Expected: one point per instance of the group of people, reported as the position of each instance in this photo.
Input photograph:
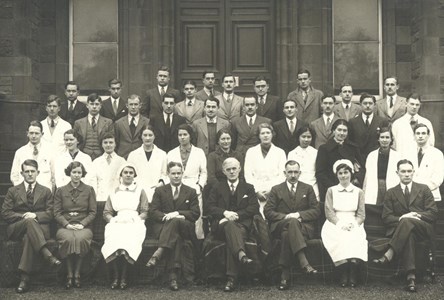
(230, 158)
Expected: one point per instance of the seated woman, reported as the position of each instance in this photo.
(264, 164)
(74, 211)
(194, 165)
(338, 147)
(381, 169)
(343, 232)
(305, 155)
(125, 212)
(150, 161)
(71, 153)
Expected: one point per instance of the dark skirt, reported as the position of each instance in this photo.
(382, 188)
(74, 241)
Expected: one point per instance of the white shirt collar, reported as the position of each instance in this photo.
(90, 118)
(248, 118)
(214, 120)
(165, 116)
(344, 104)
(136, 118)
(409, 186)
(233, 183)
(370, 117)
(32, 185)
(165, 88)
(348, 189)
(324, 116)
(289, 185)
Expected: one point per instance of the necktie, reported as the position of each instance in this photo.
(420, 156)
(211, 93)
(115, 106)
(328, 122)
(391, 101)
(108, 159)
(413, 123)
(233, 190)
(52, 124)
(35, 153)
(133, 126)
(29, 195)
(293, 191)
(162, 91)
(291, 126)
(407, 196)
(176, 193)
(190, 103)
(168, 121)
(367, 122)
(346, 107)
(250, 123)
(93, 122)
(228, 98)
(261, 100)
(71, 106)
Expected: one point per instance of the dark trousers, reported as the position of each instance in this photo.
(234, 234)
(292, 237)
(34, 236)
(407, 233)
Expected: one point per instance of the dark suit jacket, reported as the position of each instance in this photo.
(283, 137)
(280, 204)
(421, 201)
(125, 141)
(104, 125)
(201, 95)
(245, 137)
(201, 130)
(366, 137)
(311, 110)
(247, 204)
(80, 111)
(187, 205)
(152, 104)
(399, 109)
(108, 112)
(272, 108)
(16, 204)
(166, 138)
(328, 154)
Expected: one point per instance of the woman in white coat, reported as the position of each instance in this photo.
(381, 169)
(71, 153)
(150, 161)
(194, 164)
(264, 164)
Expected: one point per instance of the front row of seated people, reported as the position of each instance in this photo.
(153, 175)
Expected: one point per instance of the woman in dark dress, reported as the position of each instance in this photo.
(338, 147)
(74, 210)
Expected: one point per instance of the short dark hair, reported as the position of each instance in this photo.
(169, 95)
(73, 165)
(188, 128)
(134, 97)
(205, 72)
(173, 164)
(260, 78)
(265, 126)
(345, 84)
(147, 127)
(106, 136)
(222, 131)
(164, 68)
(344, 166)
(365, 96)
(192, 82)
(30, 163)
(93, 97)
(402, 162)
(291, 100)
(419, 125)
(339, 122)
(391, 76)
(303, 130)
(77, 135)
(52, 98)
(227, 75)
(114, 81)
(292, 163)
(212, 98)
(414, 96)
(71, 82)
(328, 96)
(303, 71)
(384, 130)
(36, 123)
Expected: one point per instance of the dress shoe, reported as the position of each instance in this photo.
(308, 269)
(229, 286)
(23, 287)
(245, 260)
(411, 285)
(283, 285)
(152, 262)
(77, 282)
(173, 285)
(53, 261)
(353, 274)
(69, 282)
(123, 284)
(115, 283)
(382, 260)
(343, 279)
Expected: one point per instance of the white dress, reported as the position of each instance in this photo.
(343, 206)
(129, 232)
(306, 157)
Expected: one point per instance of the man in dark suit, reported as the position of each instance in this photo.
(114, 107)
(152, 105)
(232, 205)
(269, 106)
(409, 214)
(285, 129)
(72, 109)
(346, 109)
(174, 210)
(166, 124)
(393, 106)
(27, 209)
(245, 128)
(127, 130)
(93, 127)
(292, 210)
(208, 80)
(322, 125)
(307, 98)
(364, 129)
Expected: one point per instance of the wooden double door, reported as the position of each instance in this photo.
(227, 36)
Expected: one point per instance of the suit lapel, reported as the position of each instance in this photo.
(286, 196)
(126, 126)
(139, 125)
(84, 126)
(400, 196)
(413, 193)
(22, 193)
(267, 105)
(204, 126)
(37, 193)
(182, 197)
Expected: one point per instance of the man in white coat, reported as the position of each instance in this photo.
(428, 163)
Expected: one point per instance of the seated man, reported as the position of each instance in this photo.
(292, 210)
(174, 210)
(232, 205)
(409, 214)
(28, 211)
